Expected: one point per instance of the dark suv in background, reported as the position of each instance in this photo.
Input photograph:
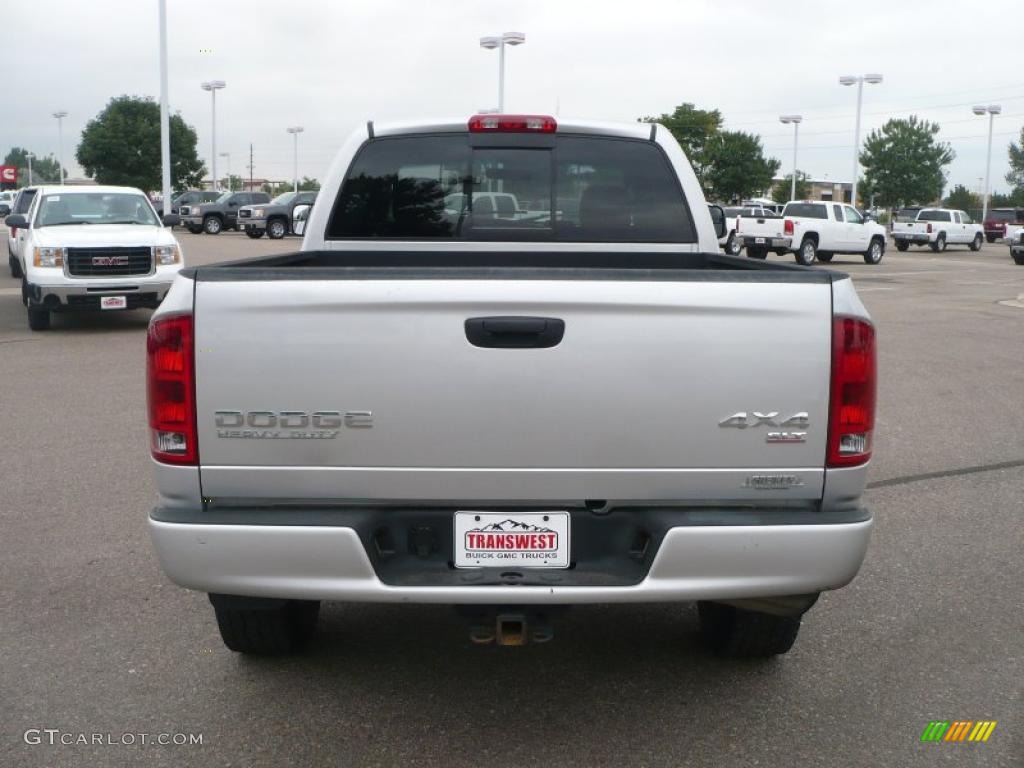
(189, 197)
(275, 217)
(220, 214)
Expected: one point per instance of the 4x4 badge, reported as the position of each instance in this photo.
(744, 419)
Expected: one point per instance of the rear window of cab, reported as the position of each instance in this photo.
(806, 210)
(934, 216)
(572, 189)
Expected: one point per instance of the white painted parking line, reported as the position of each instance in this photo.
(10, 291)
(1018, 302)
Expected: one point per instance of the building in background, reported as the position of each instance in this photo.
(821, 189)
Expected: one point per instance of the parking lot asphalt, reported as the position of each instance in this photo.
(94, 639)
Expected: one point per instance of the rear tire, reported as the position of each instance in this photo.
(1018, 258)
(276, 229)
(807, 252)
(875, 251)
(738, 633)
(902, 245)
(976, 243)
(15, 266)
(757, 253)
(990, 238)
(212, 225)
(195, 230)
(826, 257)
(255, 234)
(265, 627)
(940, 243)
(38, 319)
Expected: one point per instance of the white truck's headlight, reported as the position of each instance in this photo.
(48, 257)
(166, 254)
(257, 213)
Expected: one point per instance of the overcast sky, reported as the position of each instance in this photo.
(329, 65)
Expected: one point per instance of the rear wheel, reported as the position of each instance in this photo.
(739, 633)
(976, 242)
(875, 251)
(902, 245)
(195, 230)
(212, 225)
(940, 243)
(807, 252)
(990, 238)
(38, 319)
(276, 229)
(255, 234)
(826, 257)
(265, 626)
(757, 253)
(15, 266)
(1018, 257)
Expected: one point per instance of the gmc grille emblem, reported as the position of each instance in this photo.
(110, 261)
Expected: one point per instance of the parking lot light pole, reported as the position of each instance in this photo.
(859, 81)
(795, 120)
(295, 130)
(29, 156)
(165, 116)
(228, 156)
(60, 141)
(213, 86)
(991, 110)
(491, 42)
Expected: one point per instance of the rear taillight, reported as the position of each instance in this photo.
(170, 374)
(851, 418)
(512, 124)
(787, 227)
(929, 228)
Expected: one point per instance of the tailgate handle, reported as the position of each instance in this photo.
(515, 332)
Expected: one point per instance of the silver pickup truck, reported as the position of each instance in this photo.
(577, 401)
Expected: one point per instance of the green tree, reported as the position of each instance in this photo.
(309, 185)
(961, 198)
(1013, 200)
(45, 168)
(277, 189)
(694, 129)
(1015, 178)
(121, 145)
(781, 189)
(737, 167)
(904, 163)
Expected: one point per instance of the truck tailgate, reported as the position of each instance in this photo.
(627, 406)
(751, 227)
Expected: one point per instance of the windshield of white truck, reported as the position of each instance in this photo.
(95, 208)
(577, 189)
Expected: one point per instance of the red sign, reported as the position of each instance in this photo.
(8, 174)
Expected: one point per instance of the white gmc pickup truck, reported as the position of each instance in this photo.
(433, 402)
(937, 227)
(813, 230)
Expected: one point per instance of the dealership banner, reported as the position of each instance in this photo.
(8, 174)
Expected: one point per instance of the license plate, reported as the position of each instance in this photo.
(759, 240)
(512, 539)
(113, 302)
